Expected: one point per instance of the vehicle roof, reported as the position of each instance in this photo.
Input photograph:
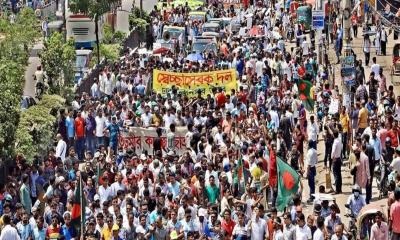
(210, 24)
(204, 39)
(220, 19)
(213, 34)
(55, 24)
(174, 27)
(83, 52)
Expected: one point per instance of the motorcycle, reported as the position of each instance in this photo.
(382, 172)
(352, 228)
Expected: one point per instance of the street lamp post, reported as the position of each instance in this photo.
(346, 63)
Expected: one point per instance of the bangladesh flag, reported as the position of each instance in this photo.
(238, 177)
(78, 207)
(288, 184)
(305, 93)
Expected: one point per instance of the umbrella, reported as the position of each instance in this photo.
(195, 57)
(161, 50)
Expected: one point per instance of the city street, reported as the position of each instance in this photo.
(386, 63)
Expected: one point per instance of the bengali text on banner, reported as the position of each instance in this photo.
(191, 83)
(139, 139)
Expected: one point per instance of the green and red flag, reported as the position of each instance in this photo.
(238, 174)
(78, 207)
(288, 184)
(305, 94)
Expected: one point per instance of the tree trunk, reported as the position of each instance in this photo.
(96, 29)
(141, 8)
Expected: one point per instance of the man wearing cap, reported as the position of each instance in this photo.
(91, 232)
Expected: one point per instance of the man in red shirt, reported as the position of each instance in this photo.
(220, 98)
(80, 135)
(227, 223)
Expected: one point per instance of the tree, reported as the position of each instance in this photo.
(58, 59)
(35, 131)
(95, 9)
(16, 40)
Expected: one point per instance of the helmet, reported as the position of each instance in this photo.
(356, 188)
(388, 140)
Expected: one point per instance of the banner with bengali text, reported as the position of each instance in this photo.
(189, 83)
(140, 139)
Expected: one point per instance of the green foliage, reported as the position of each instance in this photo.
(119, 37)
(16, 40)
(110, 37)
(139, 19)
(58, 59)
(107, 34)
(110, 52)
(36, 127)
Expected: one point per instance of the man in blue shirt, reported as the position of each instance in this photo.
(69, 123)
(68, 231)
(113, 128)
(24, 228)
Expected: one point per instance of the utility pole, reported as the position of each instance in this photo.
(347, 60)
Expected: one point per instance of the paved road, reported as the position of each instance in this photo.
(34, 61)
(341, 199)
(123, 14)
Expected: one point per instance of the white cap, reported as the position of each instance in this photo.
(143, 157)
(60, 179)
(96, 197)
(202, 212)
(96, 154)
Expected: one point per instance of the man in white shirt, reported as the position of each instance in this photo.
(375, 67)
(311, 172)
(303, 232)
(100, 126)
(395, 165)
(61, 148)
(257, 226)
(312, 132)
(118, 185)
(319, 233)
(146, 117)
(8, 231)
(337, 161)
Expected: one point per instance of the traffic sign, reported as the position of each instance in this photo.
(318, 17)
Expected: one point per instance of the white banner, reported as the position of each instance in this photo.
(140, 139)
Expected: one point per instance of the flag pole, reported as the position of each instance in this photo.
(81, 205)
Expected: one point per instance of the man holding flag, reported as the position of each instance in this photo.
(78, 208)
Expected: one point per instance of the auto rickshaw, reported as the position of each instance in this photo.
(304, 17)
(366, 218)
(396, 59)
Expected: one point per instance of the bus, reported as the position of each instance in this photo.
(82, 28)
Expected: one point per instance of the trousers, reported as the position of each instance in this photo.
(311, 180)
(337, 174)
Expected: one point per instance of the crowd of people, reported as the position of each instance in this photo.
(195, 190)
